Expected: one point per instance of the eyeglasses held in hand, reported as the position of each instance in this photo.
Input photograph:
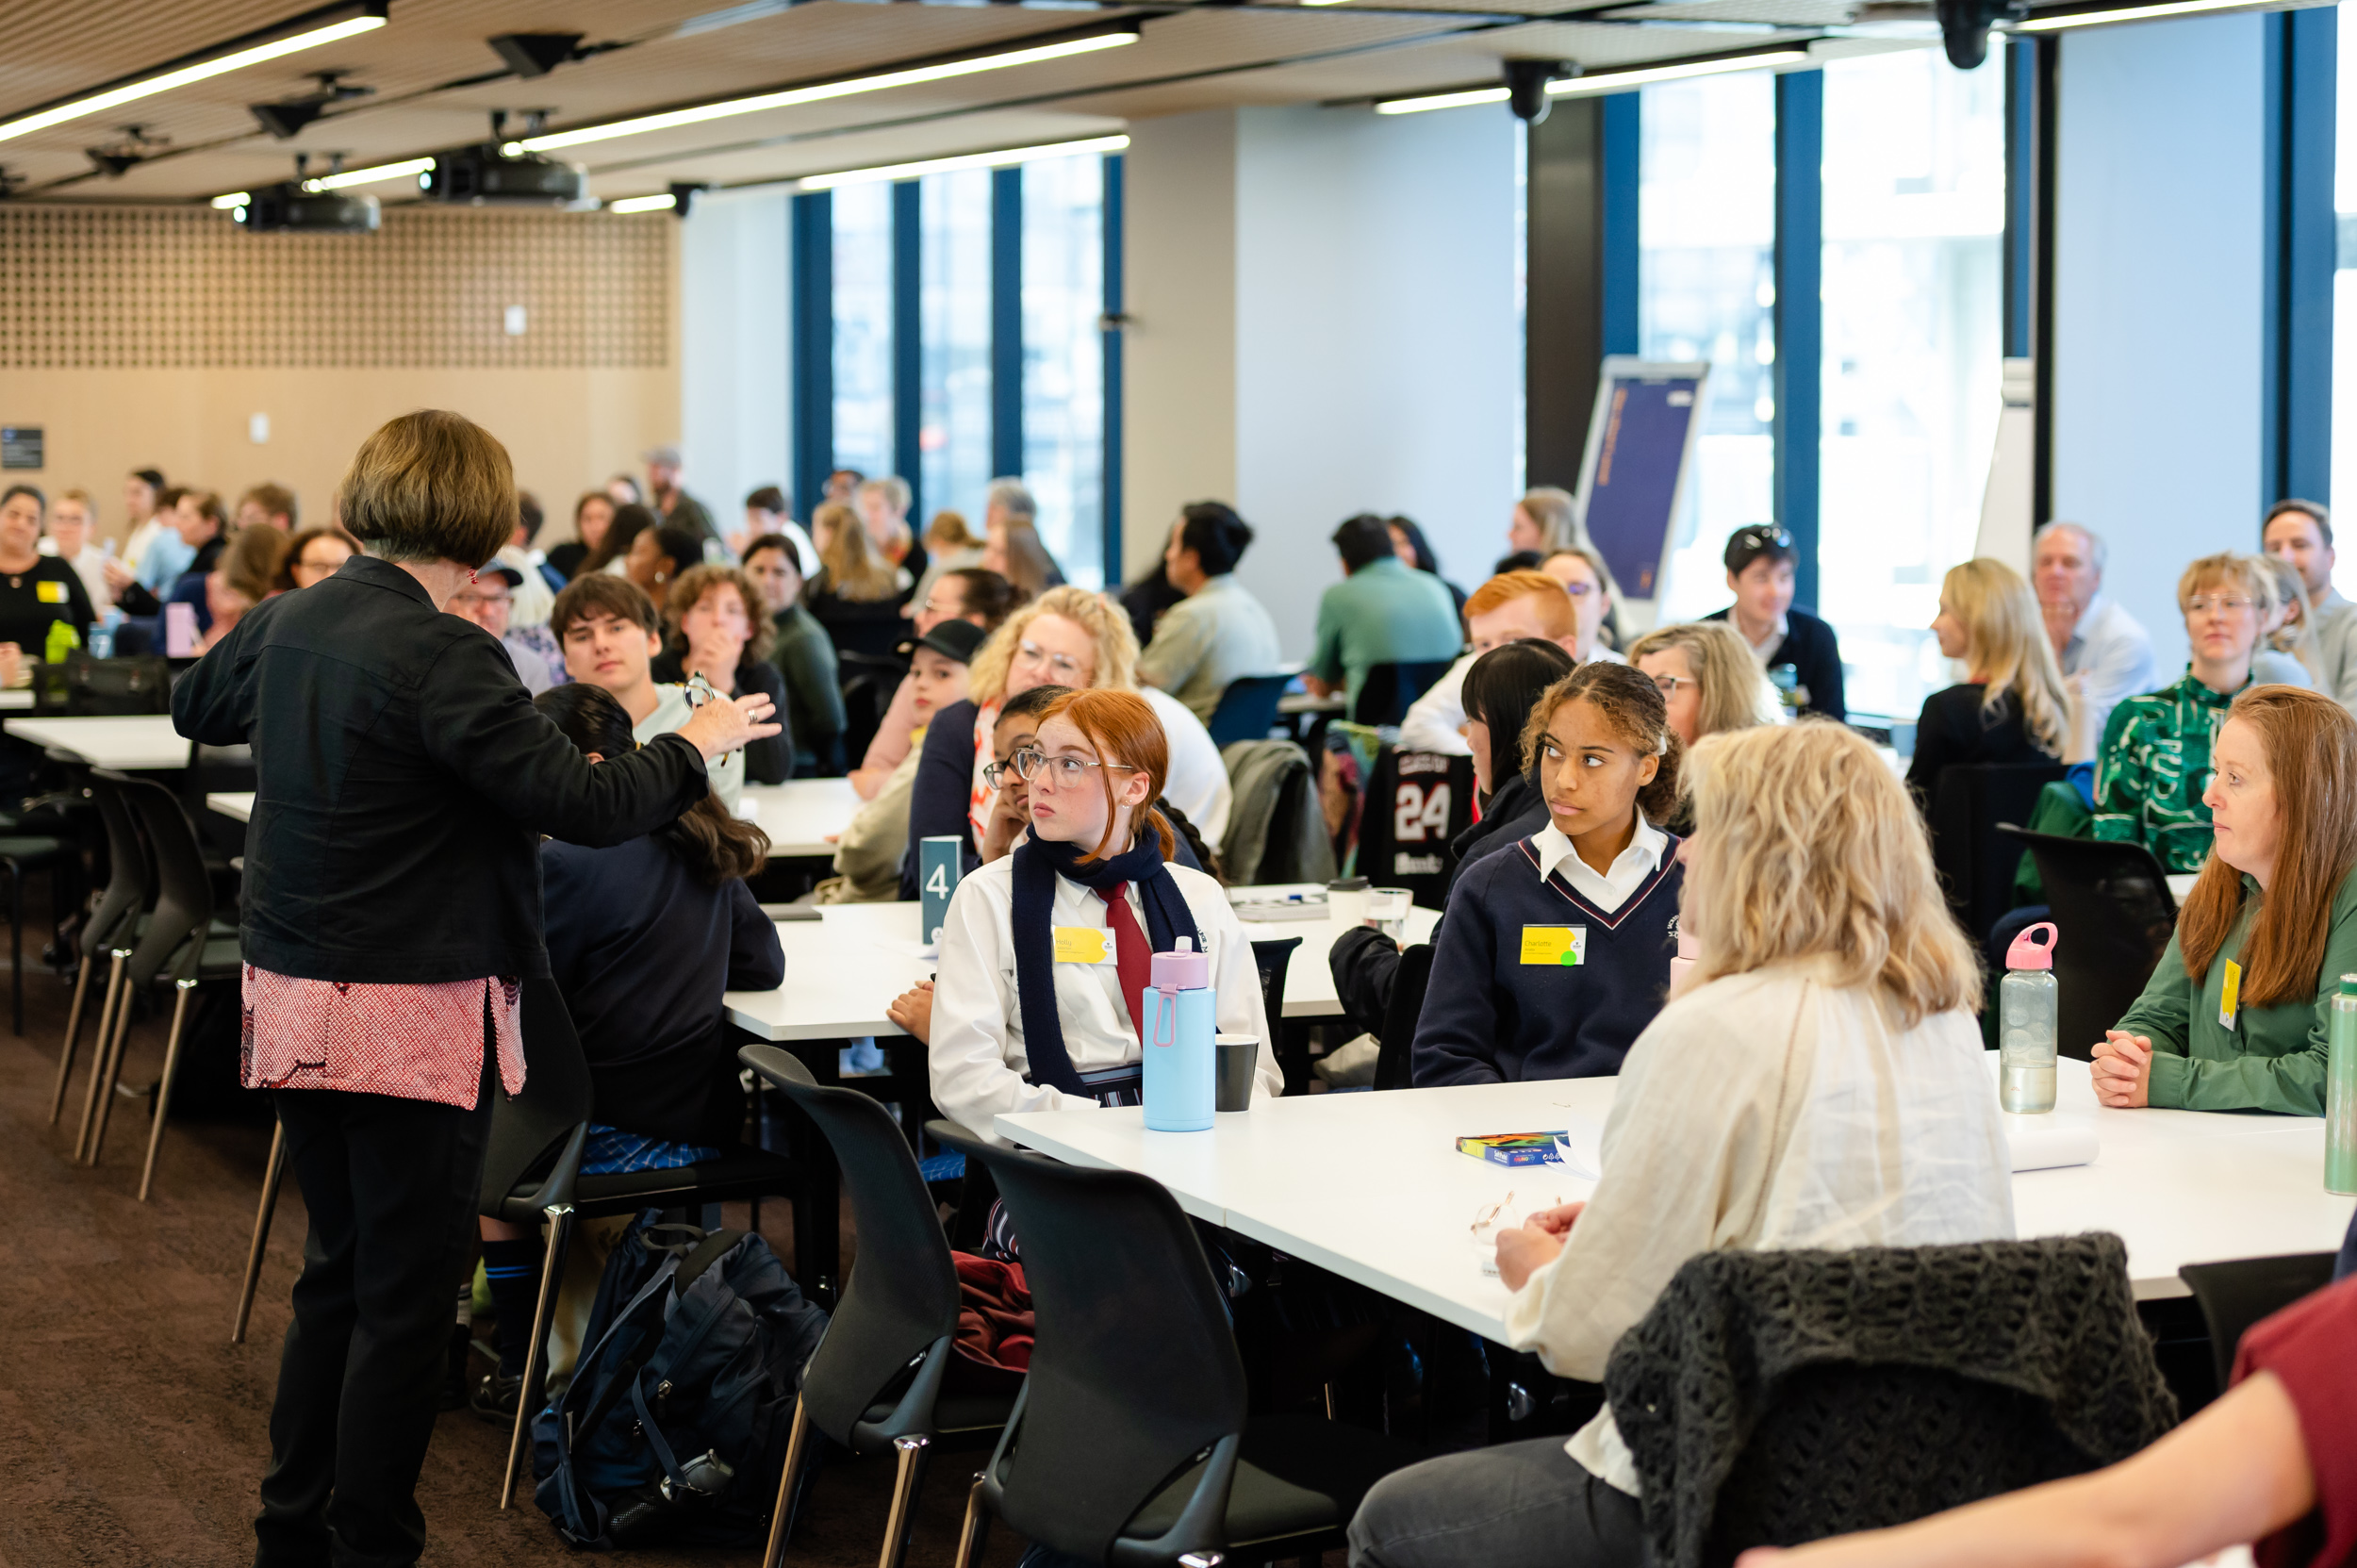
(1030, 762)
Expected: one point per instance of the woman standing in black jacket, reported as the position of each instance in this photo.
(391, 913)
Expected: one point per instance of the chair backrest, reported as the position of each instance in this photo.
(902, 1299)
(1134, 1373)
(1385, 694)
(551, 1114)
(130, 880)
(184, 889)
(2236, 1293)
(1975, 863)
(1416, 802)
(868, 684)
(1273, 958)
(1774, 1398)
(1395, 1061)
(2113, 914)
(1248, 709)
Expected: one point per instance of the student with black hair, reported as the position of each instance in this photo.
(660, 555)
(1218, 631)
(644, 937)
(1556, 951)
(1799, 651)
(1382, 612)
(1414, 549)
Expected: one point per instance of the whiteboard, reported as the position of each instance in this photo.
(1632, 473)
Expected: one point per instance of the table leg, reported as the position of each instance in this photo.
(817, 1198)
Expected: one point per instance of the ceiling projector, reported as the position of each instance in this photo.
(498, 170)
(287, 208)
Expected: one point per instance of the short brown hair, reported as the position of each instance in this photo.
(252, 561)
(602, 593)
(275, 501)
(688, 588)
(430, 486)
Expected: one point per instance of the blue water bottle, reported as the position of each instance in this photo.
(1181, 1052)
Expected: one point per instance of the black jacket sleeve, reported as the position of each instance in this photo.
(1941, 740)
(1818, 662)
(944, 785)
(769, 760)
(1365, 962)
(756, 962)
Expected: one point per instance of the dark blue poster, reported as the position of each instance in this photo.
(1637, 449)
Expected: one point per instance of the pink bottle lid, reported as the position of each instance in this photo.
(2026, 954)
(1183, 970)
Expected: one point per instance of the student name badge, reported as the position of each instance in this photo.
(1083, 944)
(1564, 946)
(2228, 995)
(49, 592)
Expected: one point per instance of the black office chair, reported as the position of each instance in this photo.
(875, 1383)
(1288, 1043)
(868, 682)
(106, 931)
(2113, 914)
(1130, 1445)
(1248, 709)
(177, 943)
(1387, 691)
(1394, 1060)
(2238, 1294)
(1975, 862)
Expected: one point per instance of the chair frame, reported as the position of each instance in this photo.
(114, 916)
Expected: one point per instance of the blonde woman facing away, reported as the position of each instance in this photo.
(1831, 1015)
(2012, 706)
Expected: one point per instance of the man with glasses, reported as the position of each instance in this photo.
(2300, 532)
(1799, 651)
(487, 602)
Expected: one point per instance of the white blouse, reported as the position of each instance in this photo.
(1827, 1125)
(977, 1054)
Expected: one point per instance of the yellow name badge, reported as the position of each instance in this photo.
(1083, 944)
(49, 592)
(2228, 995)
(1563, 946)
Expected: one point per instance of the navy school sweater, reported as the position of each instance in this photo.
(1490, 1016)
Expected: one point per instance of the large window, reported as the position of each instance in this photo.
(2344, 297)
(1914, 215)
(1706, 227)
(862, 328)
(954, 428)
(1064, 359)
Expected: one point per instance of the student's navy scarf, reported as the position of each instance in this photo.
(1037, 865)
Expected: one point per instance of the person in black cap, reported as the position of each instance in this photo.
(487, 602)
(1798, 651)
(867, 856)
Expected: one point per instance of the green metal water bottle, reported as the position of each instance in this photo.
(2340, 1091)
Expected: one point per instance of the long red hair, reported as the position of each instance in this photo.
(2311, 745)
(1122, 726)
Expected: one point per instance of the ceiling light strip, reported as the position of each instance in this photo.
(644, 204)
(964, 160)
(146, 86)
(405, 168)
(822, 91)
(1606, 81)
(235, 198)
(2132, 13)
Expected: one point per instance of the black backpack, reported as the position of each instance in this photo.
(675, 1425)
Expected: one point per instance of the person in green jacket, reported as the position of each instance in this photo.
(2234, 1017)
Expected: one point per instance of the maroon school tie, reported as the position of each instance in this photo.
(1132, 957)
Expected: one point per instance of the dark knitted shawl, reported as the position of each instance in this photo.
(1776, 1397)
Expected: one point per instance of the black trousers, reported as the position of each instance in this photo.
(391, 1185)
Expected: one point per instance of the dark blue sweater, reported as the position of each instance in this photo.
(1490, 1017)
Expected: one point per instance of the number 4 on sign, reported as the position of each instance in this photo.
(938, 884)
(1415, 813)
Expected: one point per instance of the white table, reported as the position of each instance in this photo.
(1371, 1185)
(20, 697)
(144, 743)
(1302, 702)
(802, 816)
(843, 969)
(238, 807)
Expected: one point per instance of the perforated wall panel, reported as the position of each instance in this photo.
(85, 287)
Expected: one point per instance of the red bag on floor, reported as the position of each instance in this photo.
(994, 1342)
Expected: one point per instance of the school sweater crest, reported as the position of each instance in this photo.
(1532, 980)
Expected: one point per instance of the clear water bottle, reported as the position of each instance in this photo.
(2026, 1024)
(2340, 1090)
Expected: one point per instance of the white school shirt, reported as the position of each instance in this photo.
(671, 710)
(1827, 1125)
(1608, 889)
(977, 1054)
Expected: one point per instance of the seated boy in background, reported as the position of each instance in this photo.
(611, 633)
(867, 857)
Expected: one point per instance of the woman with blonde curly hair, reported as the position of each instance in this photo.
(1831, 1017)
(2012, 706)
(1067, 637)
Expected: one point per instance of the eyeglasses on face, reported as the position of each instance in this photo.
(1065, 670)
(2225, 603)
(1667, 685)
(1031, 763)
(477, 597)
(1579, 590)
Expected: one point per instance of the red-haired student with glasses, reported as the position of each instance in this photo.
(1045, 952)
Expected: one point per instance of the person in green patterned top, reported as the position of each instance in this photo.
(2235, 1016)
(2154, 762)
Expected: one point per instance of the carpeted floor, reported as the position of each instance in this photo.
(133, 1432)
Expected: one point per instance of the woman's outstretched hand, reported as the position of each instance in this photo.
(718, 728)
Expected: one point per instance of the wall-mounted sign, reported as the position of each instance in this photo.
(19, 446)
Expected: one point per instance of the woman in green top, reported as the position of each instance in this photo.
(2234, 1017)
